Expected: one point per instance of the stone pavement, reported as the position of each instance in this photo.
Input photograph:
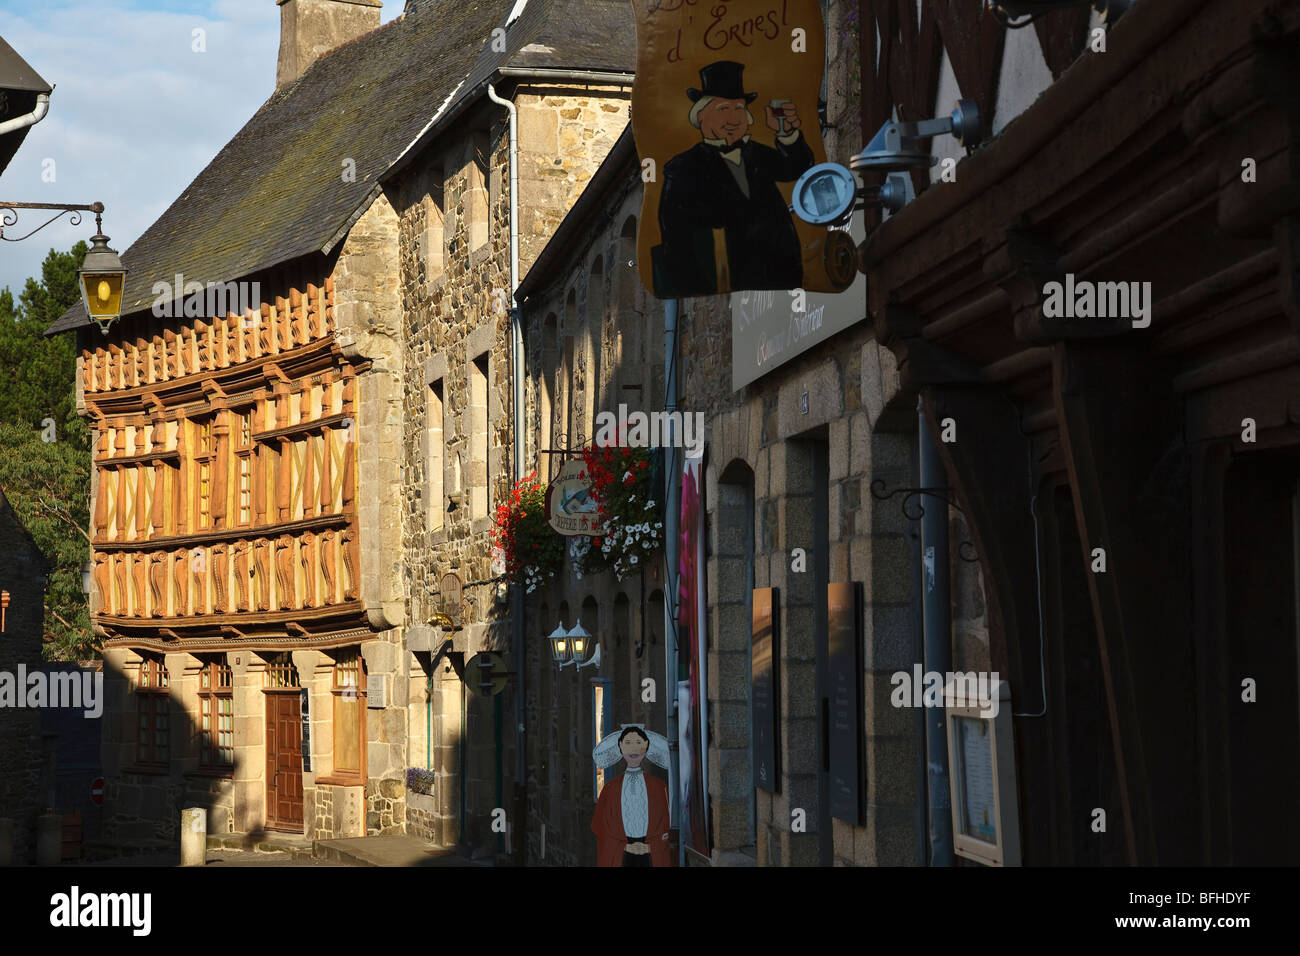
(390, 851)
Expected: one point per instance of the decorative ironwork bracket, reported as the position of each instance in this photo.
(9, 216)
(965, 549)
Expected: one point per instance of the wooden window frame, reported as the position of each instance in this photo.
(152, 702)
(348, 778)
(212, 693)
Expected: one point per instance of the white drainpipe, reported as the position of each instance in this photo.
(519, 835)
(516, 325)
(30, 119)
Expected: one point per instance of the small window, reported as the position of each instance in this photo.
(435, 458)
(280, 673)
(217, 716)
(478, 458)
(153, 726)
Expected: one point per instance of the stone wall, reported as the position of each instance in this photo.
(453, 204)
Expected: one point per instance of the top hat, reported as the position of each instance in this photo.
(724, 80)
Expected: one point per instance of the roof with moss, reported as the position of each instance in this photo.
(276, 192)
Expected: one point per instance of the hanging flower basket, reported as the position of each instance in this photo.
(630, 528)
(533, 551)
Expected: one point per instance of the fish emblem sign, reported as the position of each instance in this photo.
(725, 117)
(570, 505)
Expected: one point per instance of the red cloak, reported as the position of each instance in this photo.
(607, 823)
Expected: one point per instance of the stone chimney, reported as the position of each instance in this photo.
(309, 28)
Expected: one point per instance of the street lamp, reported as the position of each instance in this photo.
(102, 280)
(559, 639)
(578, 641)
(86, 578)
(101, 275)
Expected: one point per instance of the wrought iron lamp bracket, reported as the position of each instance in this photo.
(913, 510)
(9, 216)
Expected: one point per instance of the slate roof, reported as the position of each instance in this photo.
(276, 193)
(20, 85)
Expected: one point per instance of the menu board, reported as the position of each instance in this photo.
(978, 812)
(765, 678)
(844, 678)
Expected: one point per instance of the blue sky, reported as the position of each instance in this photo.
(136, 112)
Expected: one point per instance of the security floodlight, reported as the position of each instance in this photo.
(895, 148)
(825, 195)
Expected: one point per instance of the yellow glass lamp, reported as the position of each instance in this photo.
(102, 280)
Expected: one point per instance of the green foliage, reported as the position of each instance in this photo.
(48, 482)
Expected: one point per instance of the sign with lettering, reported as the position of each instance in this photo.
(769, 328)
(570, 505)
(844, 675)
(306, 730)
(724, 113)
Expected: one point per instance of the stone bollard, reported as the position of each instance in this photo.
(49, 839)
(6, 842)
(194, 836)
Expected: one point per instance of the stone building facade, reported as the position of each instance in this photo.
(595, 341)
(24, 755)
(458, 437)
(791, 463)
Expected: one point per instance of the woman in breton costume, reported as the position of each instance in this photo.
(631, 818)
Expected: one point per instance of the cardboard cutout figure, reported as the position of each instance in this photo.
(631, 819)
(728, 182)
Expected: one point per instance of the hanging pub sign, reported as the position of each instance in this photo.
(570, 504)
(724, 113)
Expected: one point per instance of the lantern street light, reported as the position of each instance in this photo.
(559, 639)
(102, 279)
(579, 639)
(567, 647)
(86, 578)
(101, 276)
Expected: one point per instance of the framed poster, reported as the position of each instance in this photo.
(982, 765)
(765, 678)
(844, 675)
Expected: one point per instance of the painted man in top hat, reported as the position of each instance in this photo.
(728, 182)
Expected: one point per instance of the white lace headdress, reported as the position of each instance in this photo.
(606, 753)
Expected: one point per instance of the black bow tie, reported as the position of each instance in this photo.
(725, 148)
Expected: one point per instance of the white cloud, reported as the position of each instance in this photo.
(136, 113)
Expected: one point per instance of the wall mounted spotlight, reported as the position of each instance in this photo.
(1031, 10)
(895, 148)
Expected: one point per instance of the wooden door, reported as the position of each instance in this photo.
(284, 762)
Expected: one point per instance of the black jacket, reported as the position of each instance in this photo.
(700, 194)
